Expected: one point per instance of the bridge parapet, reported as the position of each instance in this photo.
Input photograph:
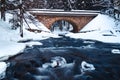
(62, 12)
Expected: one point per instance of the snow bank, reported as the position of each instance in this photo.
(3, 67)
(8, 45)
(33, 23)
(9, 38)
(102, 28)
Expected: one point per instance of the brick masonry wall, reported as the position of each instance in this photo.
(78, 22)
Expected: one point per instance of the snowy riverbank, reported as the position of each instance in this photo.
(102, 28)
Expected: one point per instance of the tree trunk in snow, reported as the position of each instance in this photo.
(21, 18)
(3, 5)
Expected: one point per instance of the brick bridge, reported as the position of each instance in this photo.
(78, 18)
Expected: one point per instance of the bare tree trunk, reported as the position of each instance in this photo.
(21, 25)
(3, 9)
(21, 20)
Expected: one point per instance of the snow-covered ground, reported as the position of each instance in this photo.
(9, 38)
(102, 28)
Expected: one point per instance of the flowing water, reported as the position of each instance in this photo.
(66, 59)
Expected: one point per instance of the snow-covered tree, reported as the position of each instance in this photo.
(28, 4)
(15, 7)
(116, 4)
(15, 20)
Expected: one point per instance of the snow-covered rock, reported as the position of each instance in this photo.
(115, 51)
(55, 62)
(86, 66)
(46, 65)
(58, 61)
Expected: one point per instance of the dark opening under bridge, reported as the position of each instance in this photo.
(78, 18)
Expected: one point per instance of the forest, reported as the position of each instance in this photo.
(61, 4)
(19, 7)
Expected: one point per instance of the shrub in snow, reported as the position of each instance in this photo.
(3, 67)
(115, 51)
(86, 66)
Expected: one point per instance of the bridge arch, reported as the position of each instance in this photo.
(69, 22)
(77, 21)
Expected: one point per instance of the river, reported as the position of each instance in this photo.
(66, 59)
